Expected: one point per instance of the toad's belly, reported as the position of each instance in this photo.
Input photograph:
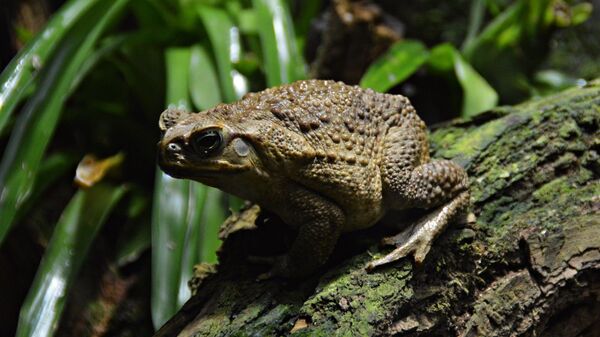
(360, 216)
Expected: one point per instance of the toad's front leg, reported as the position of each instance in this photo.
(319, 222)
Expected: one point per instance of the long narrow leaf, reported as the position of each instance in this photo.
(17, 76)
(203, 79)
(225, 40)
(51, 169)
(212, 219)
(283, 63)
(195, 241)
(396, 65)
(39, 117)
(66, 252)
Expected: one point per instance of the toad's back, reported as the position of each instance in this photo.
(346, 127)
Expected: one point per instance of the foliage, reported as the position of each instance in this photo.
(85, 75)
(95, 80)
(506, 52)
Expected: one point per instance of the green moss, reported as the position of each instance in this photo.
(551, 190)
(368, 298)
(569, 130)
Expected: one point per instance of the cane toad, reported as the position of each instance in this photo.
(326, 157)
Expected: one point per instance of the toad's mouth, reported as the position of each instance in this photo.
(209, 169)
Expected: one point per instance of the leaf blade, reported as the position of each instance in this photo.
(226, 44)
(35, 125)
(18, 75)
(74, 233)
(396, 65)
(478, 95)
(283, 63)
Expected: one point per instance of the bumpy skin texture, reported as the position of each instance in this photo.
(326, 157)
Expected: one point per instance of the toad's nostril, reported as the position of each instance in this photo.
(173, 147)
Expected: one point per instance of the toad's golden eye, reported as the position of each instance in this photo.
(207, 143)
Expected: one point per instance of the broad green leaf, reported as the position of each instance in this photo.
(74, 233)
(396, 65)
(203, 79)
(478, 95)
(36, 123)
(227, 48)
(19, 74)
(282, 61)
(580, 13)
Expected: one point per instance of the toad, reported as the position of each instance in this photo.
(327, 158)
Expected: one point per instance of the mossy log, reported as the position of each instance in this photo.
(527, 264)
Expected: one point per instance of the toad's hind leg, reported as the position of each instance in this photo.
(418, 238)
(410, 181)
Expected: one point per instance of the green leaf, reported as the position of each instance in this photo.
(203, 79)
(51, 169)
(178, 69)
(247, 20)
(74, 233)
(212, 219)
(282, 61)
(396, 65)
(476, 16)
(511, 46)
(478, 95)
(227, 48)
(36, 123)
(581, 12)
(135, 235)
(18, 76)
(178, 205)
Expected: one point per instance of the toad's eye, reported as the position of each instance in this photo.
(206, 143)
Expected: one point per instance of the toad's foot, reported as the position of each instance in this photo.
(280, 266)
(418, 238)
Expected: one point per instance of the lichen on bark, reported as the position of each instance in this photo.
(529, 265)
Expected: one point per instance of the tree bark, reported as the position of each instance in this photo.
(528, 264)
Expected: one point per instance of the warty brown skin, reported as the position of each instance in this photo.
(326, 157)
